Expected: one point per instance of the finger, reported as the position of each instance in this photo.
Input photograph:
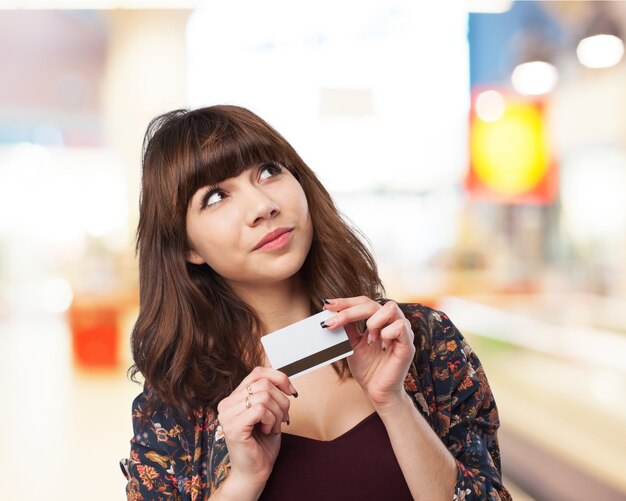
(259, 404)
(340, 303)
(262, 392)
(359, 311)
(399, 332)
(384, 316)
(269, 422)
(279, 379)
(238, 426)
(354, 336)
(277, 395)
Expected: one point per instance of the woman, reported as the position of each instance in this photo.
(237, 238)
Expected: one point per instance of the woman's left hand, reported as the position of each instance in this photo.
(383, 353)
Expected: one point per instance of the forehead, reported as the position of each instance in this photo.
(214, 166)
(212, 179)
(214, 162)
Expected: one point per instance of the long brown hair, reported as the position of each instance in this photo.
(195, 340)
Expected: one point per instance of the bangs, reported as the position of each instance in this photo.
(224, 148)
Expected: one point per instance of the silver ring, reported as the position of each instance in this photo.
(247, 403)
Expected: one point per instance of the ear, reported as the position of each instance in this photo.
(193, 257)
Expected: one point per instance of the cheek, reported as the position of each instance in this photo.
(213, 240)
(303, 209)
(306, 213)
(299, 200)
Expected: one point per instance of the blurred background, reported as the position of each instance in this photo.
(480, 146)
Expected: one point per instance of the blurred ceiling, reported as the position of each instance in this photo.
(573, 14)
(98, 4)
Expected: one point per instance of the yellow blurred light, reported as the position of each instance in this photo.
(534, 78)
(510, 155)
(490, 106)
(600, 51)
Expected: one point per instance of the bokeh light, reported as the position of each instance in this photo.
(534, 78)
(600, 51)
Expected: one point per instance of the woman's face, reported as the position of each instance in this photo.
(253, 229)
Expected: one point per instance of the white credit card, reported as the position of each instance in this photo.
(305, 346)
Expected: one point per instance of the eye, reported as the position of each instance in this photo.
(270, 169)
(212, 197)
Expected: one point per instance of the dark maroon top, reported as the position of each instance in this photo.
(360, 464)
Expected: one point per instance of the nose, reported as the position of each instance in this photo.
(260, 207)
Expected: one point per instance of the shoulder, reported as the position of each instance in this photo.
(435, 333)
(190, 449)
(446, 368)
(442, 355)
(449, 386)
(419, 314)
(160, 427)
(423, 319)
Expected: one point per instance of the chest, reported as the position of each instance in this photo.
(326, 407)
(360, 464)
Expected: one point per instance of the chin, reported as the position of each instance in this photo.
(286, 271)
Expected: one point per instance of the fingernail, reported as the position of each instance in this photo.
(294, 392)
(328, 323)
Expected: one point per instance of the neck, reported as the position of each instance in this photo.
(277, 305)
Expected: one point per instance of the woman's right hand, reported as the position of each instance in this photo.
(251, 418)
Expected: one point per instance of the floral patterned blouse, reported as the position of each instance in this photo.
(172, 458)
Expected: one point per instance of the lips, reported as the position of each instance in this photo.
(271, 236)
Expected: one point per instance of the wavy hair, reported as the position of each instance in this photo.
(194, 339)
